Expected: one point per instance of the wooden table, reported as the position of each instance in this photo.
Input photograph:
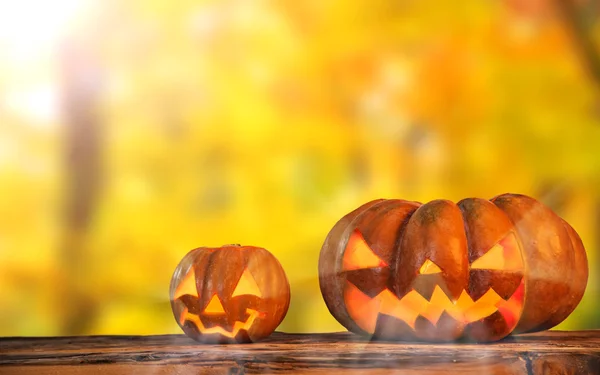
(550, 352)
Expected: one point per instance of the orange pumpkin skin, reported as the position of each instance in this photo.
(478, 269)
(229, 294)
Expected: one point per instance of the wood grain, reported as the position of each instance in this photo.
(551, 352)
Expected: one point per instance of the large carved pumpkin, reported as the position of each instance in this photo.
(441, 271)
(229, 294)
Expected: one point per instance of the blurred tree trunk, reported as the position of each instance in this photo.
(81, 91)
(579, 17)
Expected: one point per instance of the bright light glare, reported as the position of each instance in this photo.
(31, 32)
(30, 27)
(39, 103)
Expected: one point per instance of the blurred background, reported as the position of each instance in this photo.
(134, 131)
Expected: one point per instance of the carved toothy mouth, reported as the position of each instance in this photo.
(237, 326)
(367, 297)
(365, 310)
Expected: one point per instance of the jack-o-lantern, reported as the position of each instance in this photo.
(441, 271)
(229, 294)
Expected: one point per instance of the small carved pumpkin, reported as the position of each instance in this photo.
(229, 294)
(478, 269)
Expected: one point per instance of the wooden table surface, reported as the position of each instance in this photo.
(551, 352)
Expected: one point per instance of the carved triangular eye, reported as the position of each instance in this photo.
(429, 268)
(492, 260)
(187, 285)
(247, 285)
(359, 255)
(504, 255)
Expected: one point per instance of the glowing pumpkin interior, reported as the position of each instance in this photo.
(365, 310)
(213, 317)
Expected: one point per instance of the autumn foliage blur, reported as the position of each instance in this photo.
(148, 128)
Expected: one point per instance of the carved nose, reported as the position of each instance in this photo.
(214, 307)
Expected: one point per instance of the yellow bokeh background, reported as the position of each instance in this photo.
(132, 132)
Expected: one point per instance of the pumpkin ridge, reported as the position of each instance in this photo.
(431, 215)
(537, 223)
(377, 220)
(576, 288)
(395, 252)
(347, 233)
(502, 266)
(331, 257)
(398, 253)
(247, 317)
(201, 298)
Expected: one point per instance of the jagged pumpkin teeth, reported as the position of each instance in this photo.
(441, 271)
